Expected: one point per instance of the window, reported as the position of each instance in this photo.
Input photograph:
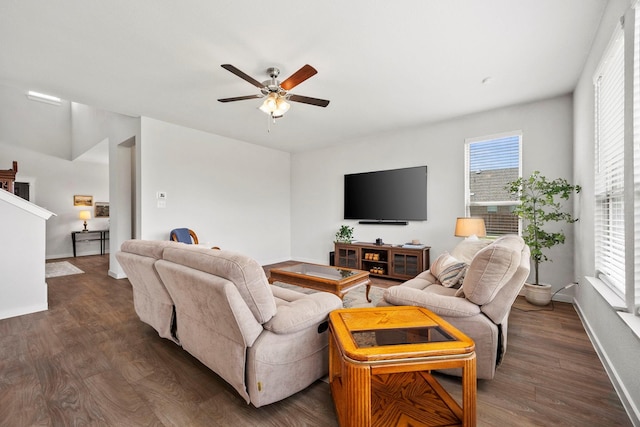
(490, 163)
(609, 167)
(617, 164)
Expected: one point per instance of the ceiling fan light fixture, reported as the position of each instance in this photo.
(282, 104)
(275, 105)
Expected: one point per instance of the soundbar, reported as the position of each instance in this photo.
(384, 222)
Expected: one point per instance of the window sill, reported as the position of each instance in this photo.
(633, 322)
(617, 303)
(611, 297)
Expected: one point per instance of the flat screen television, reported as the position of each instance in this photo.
(393, 196)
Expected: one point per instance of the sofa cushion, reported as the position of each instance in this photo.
(244, 272)
(491, 269)
(448, 270)
(298, 311)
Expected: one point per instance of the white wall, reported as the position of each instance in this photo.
(317, 178)
(33, 125)
(38, 136)
(55, 181)
(43, 139)
(617, 346)
(232, 194)
(110, 131)
(23, 287)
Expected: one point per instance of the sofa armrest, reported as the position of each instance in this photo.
(302, 312)
(442, 305)
(428, 276)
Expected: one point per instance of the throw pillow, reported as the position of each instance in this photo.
(448, 270)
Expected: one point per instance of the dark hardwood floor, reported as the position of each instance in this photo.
(89, 360)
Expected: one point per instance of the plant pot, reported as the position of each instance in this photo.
(537, 294)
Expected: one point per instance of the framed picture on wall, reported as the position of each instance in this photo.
(82, 200)
(102, 210)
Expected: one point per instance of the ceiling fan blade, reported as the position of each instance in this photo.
(242, 75)
(298, 77)
(308, 100)
(240, 98)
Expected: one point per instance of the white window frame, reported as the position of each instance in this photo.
(467, 185)
(622, 255)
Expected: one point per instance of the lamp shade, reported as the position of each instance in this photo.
(85, 215)
(466, 227)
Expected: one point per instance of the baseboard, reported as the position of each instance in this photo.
(116, 275)
(558, 297)
(625, 398)
(564, 298)
(14, 312)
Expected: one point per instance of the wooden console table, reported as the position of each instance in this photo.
(380, 362)
(391, 261)
(92, 235)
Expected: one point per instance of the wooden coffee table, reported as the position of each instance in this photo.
(336, 280)
(380, 360)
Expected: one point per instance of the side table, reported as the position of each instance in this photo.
(380, 360)
(91, 235)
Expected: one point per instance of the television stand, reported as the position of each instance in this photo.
(388, 261)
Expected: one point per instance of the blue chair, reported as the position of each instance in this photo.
(183, 235)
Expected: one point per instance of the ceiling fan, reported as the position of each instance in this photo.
(276, 92)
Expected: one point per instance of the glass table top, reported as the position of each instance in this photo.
(323, 271)
(401, 336)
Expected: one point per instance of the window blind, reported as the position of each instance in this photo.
(609, 165)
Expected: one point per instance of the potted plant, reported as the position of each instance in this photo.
(344, 234)
(540, 204)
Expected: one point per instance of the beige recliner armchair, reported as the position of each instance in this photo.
(480, 307)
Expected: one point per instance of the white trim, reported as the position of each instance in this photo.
(625, 397)
(617, 37)
(21, 311)
(633, 322)
(607, 293)
(467, 158)
(494, 136)
(25, 205)
(503, 203)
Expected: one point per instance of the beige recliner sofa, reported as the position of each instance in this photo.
(265, 341)
(151, 300)
(493, 274)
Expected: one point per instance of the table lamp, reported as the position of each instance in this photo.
(470, 227)
(85, 215)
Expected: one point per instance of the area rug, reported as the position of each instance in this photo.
(353, 298)
(62, 268)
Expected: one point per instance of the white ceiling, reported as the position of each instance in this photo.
(384, 65)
